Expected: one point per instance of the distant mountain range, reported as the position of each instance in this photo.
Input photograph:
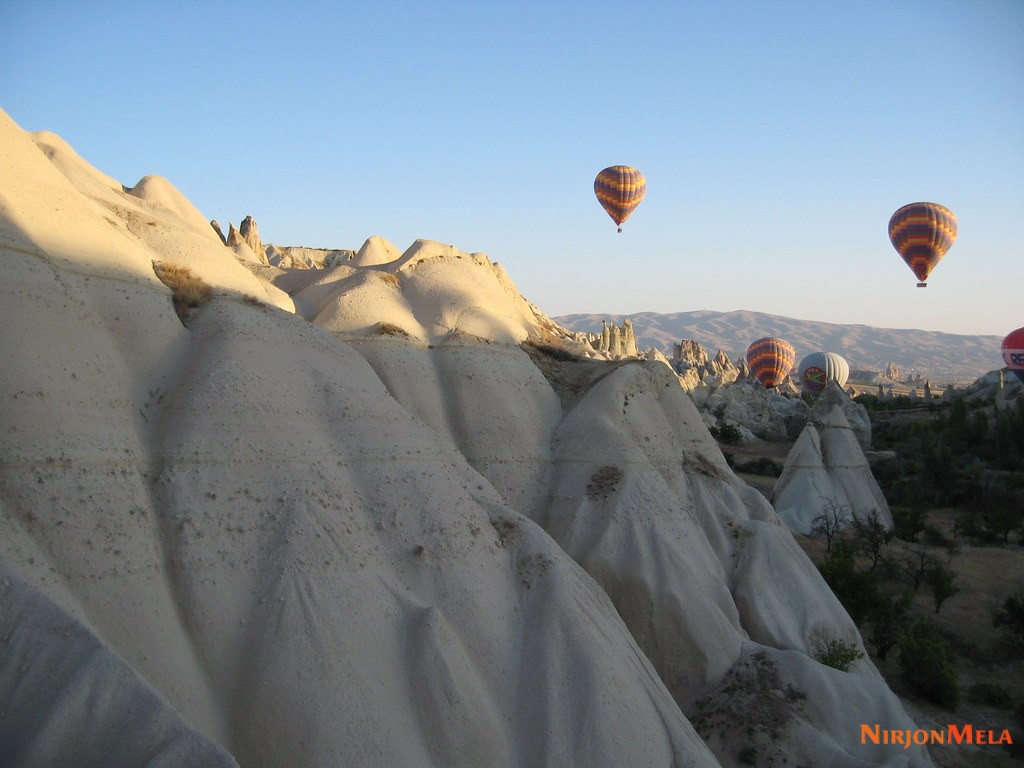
(941, 357)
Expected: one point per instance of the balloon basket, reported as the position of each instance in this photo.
(619, 230)
(922, 285)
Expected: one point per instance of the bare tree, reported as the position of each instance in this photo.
(833, 520)
(872, 536)
(914, 563)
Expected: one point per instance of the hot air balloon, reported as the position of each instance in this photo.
(619, 190)
(770, 360)
(819, 368)
(1013, 352)
(922, 233)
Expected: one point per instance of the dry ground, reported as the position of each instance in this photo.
(985, 577)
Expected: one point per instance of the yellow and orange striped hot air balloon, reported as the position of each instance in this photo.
(770, 360)
(619, 190)
(922, 233)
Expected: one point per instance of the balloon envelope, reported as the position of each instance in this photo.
(922, 233)
(770, 360)
(819, 368)
(1013, 352)
(619, 189)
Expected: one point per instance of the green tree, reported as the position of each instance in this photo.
(925, 663)
(908, 522)
(1009, 620)
(857, 590)
(888, 622)
(940, 579)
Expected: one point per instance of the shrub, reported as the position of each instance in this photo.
(908, 522)
(833, 652)
(187, 289)
(935, 537)
(888, 621)
(940, 579)
(390, 329)
(1009, 620)
(726, 433)
(389, 278)
(553, 351)
(992, 694)
(924, 660)
(762, 466)
(858, 591)
(603, 482)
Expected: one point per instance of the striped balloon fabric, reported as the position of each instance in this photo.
(770, 360)
(819, 368)
(922, 233)
(619, 189)
(1013, 352)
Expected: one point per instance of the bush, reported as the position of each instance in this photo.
(858, 591)
(908, 522)
(1009, 620)
(762, 466)
(187, 290)
(940, 579)
(888, 622)
(924, 660)
(992, 694)
(604, 482)
(554, 351)
(726, 433)
(833, 652)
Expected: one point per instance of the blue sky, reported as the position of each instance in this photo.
(776, 137)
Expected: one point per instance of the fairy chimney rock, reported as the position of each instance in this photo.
(250, 232)
(220, 232)
(690, 354)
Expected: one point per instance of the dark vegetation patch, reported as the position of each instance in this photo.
(187, 289)
(747, 715)
(604, 482)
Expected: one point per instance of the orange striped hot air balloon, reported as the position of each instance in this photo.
(770, 360)
(922, 233)
(619, 190)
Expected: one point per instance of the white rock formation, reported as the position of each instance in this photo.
(763, 413)
(696, 368)
(317, 543)
(826, 470)
(613, 342)
(856, 414)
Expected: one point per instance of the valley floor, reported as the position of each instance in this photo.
(985, 577)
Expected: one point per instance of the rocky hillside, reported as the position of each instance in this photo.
(942, 357)
(368, 515)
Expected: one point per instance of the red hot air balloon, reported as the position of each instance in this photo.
(1013, 352)
(922, 233)
(619, 190)
(770, 360)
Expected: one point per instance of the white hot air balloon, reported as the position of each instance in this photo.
(819, 368)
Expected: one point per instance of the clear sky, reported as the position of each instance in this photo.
(776, 137)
